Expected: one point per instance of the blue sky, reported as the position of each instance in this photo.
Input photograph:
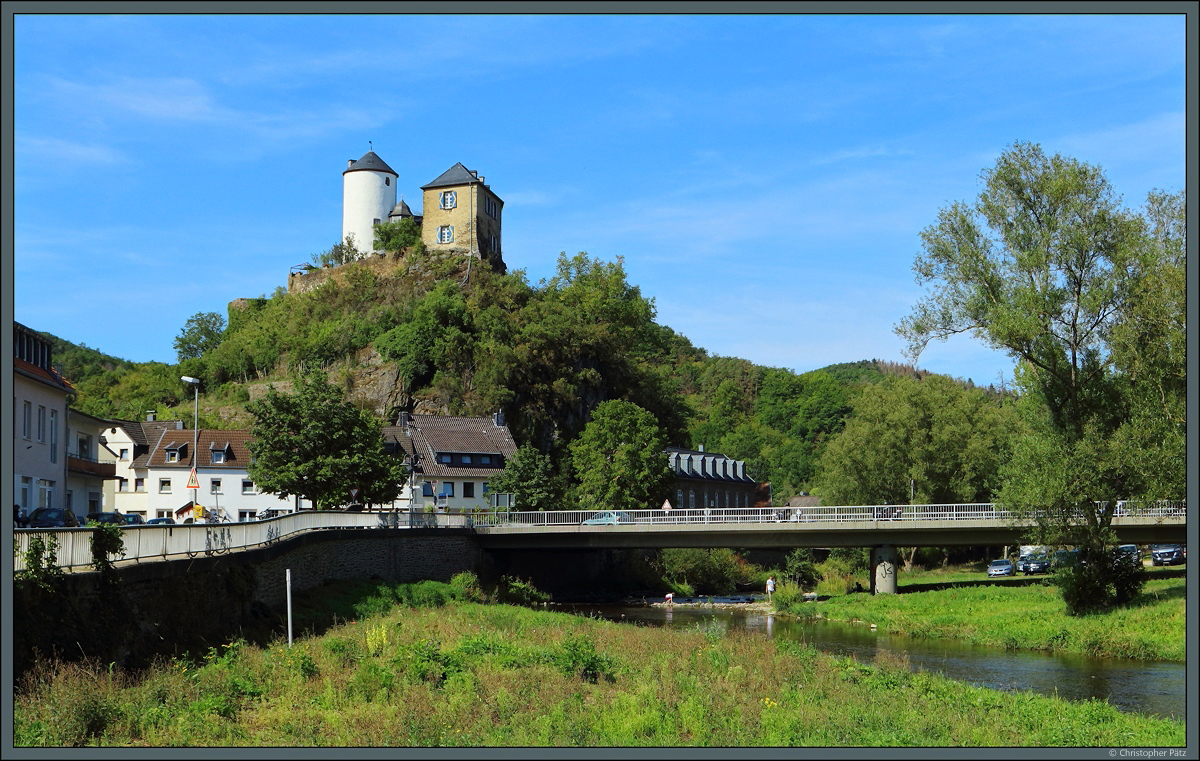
(764, 177)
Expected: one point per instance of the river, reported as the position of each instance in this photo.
(1154, 688)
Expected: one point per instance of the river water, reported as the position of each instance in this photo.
(1149, 687)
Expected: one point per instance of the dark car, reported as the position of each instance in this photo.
(116, 518)
(133, 519)
(1166, 554)
(1064, 558)
(52, 517)
(1130, 553)
(1035, 564)
(161, 522)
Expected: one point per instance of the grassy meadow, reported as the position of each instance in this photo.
(1013, 613)
(434, 667)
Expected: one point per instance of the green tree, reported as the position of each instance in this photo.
(619, 459)
(400, 236)
(530, 478)
(1046, 265)
(339, 253)
(932, 440)
(201, 332)
(314, 444)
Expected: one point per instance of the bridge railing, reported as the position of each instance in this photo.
(159, 542)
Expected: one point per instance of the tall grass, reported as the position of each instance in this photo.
(466, 674)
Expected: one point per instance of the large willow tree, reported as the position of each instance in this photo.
(1048, 266)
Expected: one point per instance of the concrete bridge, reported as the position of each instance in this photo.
(879, 527)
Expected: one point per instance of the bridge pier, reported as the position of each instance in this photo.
(883, 570)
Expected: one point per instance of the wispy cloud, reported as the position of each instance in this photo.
(68, 151)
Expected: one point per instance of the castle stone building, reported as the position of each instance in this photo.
(461, 212)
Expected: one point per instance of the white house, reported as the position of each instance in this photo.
(221, 459)
(451, 459)
(40, 401)
(127, 444)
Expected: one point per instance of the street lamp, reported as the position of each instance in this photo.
(195, 382)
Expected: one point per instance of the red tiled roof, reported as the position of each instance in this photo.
(48, 377)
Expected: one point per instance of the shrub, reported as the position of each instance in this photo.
(578, 657)
(41, 563)
(514, 591)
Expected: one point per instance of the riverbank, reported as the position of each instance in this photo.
(473, 675)
(1022, 614)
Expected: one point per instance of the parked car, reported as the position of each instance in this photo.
(1131, 552)
(160, 521)
(1034, 564)
(1064, 558)
(52, 517)
(105, 518)
(133, 519)
(1162, 554)
(1001, 567)
(608, 518)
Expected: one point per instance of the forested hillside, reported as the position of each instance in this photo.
(426, 334)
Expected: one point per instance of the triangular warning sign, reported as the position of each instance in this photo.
(666, 504)
(193, 482)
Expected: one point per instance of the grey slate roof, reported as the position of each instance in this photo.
(401, 210)
(455, 175)
(372, 163)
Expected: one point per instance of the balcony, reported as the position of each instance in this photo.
(89, 467)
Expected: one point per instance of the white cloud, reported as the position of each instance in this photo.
(67, 151)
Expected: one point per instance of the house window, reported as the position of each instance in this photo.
(466, 459)
(485, 459)
(485, 488)
(449, 200)
(139, 484)
(218, 456)
(447, 489)
(163, 514)
(426, 489)
(26, 491)
(164, 486)
(124, 454)
(172, 455)
(41, 423)
(679, 498)
(445, 234)
(247, 486)
(214, 486)
(54, 438)
(45, 493)
(468, 489)
(27, 421)
(245, 515)
(122, 484)
(444, 458)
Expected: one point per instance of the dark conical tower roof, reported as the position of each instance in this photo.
(401, 210)
(372, 163)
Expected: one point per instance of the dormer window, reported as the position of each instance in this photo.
(444, 458)
(218, 456)
(466, 459)
(485, 459)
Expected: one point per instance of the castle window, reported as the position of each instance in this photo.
(445, 234)
(387, 181)
(449, 199)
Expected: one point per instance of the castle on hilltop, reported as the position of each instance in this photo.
(461, 214)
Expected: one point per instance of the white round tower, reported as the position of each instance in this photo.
(368, 196)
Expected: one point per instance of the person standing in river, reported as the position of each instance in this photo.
(770, 587)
